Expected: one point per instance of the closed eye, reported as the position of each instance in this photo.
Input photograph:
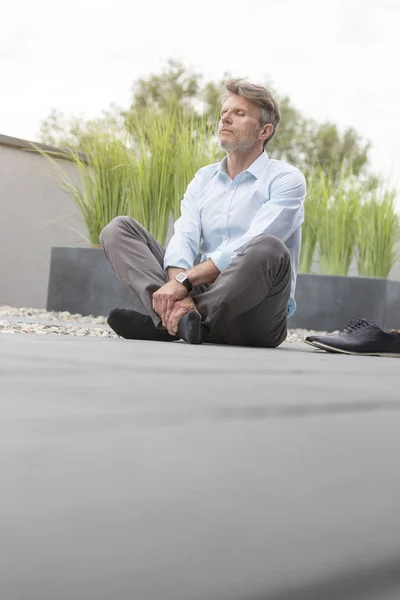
(240, 112)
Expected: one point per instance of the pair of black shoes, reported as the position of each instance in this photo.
(133, 325)
(361, 337)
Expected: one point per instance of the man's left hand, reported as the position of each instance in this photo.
(164, 299)
(181, 307)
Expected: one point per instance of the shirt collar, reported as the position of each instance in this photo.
(256, 168)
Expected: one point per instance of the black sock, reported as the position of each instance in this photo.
(191, 329)
(133, 325)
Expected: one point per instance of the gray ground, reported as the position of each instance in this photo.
(148, 471)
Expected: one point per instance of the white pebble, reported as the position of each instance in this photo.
(82, 326)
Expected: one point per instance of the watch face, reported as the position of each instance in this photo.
(181, 277)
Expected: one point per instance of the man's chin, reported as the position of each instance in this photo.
(227, 147)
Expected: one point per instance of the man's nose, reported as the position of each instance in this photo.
(226, 118)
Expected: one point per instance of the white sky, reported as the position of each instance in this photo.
(338, 60)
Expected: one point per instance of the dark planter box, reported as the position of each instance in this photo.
(328, 302)
(82, 281)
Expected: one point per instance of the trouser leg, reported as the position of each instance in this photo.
(137, 259)
(247, 304)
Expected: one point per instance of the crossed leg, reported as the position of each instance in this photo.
(246, 305)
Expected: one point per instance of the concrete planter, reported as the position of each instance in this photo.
(82, 281)
(328, 302)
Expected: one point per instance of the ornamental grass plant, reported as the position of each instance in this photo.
(106, 168)
(170, 148)
(337, 233)
(345, 219)
(329, 229)
(315, 206)
(143, 174)
(378, 227)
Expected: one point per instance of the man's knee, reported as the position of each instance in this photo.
(111, 232)
(270, 246)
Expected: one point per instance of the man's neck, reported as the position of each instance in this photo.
(237, 162)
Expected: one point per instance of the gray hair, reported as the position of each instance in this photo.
(259, 95)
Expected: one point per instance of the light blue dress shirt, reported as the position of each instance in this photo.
(220, 215)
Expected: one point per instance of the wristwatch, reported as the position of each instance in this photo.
(181, 277)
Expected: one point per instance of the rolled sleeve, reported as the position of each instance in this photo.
(221, 259)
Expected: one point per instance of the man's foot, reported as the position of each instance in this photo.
(361, 337)
(191, 329)
(132, 325)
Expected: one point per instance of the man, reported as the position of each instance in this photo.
(245, 213)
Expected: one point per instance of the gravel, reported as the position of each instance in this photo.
(41, 314)
(35, 321)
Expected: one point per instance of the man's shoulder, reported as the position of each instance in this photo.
(281, 167)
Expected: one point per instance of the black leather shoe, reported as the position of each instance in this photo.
(360, 337)
(191, 329)
(133, 325)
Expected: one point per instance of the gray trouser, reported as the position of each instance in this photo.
(247, 303)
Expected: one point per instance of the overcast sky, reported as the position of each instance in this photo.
(338, 60)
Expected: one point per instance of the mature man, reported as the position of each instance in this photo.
(229, 272)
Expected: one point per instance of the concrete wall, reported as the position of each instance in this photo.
(35, 215)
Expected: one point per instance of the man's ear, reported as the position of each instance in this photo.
(267, 129)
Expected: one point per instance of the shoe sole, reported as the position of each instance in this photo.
(338, 351)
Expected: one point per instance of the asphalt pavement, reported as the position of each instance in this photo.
(163, 471)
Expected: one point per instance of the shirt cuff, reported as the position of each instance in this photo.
(221, 259)
(180, 263)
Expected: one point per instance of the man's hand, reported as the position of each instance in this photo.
(165, 298)
(181, 307)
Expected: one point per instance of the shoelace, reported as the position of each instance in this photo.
(356, 325)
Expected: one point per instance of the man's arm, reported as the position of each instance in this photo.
(181, 252)
(183, 247)
(279, 216)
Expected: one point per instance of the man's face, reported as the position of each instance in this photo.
(239, 126)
